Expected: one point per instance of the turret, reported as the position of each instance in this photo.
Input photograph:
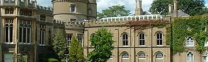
(92, 10)
(138, 10)
(70, 10)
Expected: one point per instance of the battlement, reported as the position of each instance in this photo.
(124, 20)
(85, 1)
(44, 8)
(71, 24)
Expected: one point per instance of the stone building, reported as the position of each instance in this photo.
(27, 30)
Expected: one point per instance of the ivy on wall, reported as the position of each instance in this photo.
(184, 27)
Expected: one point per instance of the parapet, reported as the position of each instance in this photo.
(71, 24)
(85, 1)
(124, 20)
(44, 8)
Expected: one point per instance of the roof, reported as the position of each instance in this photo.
(180, 14)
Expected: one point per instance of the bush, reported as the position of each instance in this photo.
(52, 60)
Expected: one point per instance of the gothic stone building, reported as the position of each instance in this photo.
(27, 30)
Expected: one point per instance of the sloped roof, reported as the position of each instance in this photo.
(180, 14)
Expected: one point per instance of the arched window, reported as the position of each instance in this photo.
(159, 38)
(141, 39)
(125, 39)
(141, 55)
(159, 55)
(189, 42)
(125, 56)
(190, 57)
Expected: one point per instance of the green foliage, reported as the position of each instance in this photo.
(191, 7)
(59, 44)
(181, 30)
(160, 7)
(52, 60)
(76, 51)
(102, 42)
(114, 11)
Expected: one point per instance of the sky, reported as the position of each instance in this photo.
(104, 4)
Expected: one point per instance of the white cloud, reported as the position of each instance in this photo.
(206, 5)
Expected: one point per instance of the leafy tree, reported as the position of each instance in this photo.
(102, 43)
(76, 51)
(191, 7)
(114, 11)
(59, 44)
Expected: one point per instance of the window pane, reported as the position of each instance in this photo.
(6, 34)
(8, 58)
(11, 33)
(125, 55)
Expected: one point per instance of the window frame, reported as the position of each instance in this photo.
(125, 39)
(159, 55)
(69, 39)
(9, 30)
(159, 39)
(42, 41)
(189, 42)
(141, 55)
(125, 56)
(141, 39)
(25, 32)
(74, 8)
(188, 57)
(9, 11)
(7, 57)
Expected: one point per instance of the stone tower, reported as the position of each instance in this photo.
(74, 10)
(138, 10)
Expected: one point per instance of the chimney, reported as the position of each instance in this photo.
(170, 9)
(138, 10)
(175, 8)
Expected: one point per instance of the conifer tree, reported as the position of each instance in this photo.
(59, 44)
(102, 43)
(76, 51)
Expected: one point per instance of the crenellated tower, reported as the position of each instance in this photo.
(74, 10)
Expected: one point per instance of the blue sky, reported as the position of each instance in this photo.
(103, 4)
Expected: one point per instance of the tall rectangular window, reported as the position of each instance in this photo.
(42, 34)
(79, 37)
(159, 38)
(90, 11)
(141, 39)
(9, 10)
(8, 57)
(25, 32)
(69, 38)
(73, 8)
(8, 30)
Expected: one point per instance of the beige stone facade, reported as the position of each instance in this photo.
(27, 30)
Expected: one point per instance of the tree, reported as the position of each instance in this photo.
(76, 51)
(191, 7)
(102, 43)
(114, 11)
(59, 44)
